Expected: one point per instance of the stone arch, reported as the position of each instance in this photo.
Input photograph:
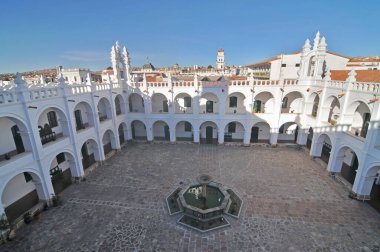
(334, 110)
(346, 162)
(184, 131)
(322, 147)
(15, 137)
(358, 115)
(264, 102)
(288, 132)
(160, 103)
(108, 141)
(312, 104)
(371, 186)
(122, 132)
(208, 103)
(260, 132)
(83, 115)
(20, 192)
(234, 132)
(183, 103)
(136, 103)
(235, 103)
(119, 104)
(104, 109)
(52, 124)
(208, 131)
(62, 169)
(292, 102)
(139, 130)
(161, 130)
(90, 153)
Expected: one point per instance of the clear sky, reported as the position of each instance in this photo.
(79, 33)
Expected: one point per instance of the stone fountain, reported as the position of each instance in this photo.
(203, 204)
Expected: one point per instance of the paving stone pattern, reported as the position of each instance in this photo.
(290, 204)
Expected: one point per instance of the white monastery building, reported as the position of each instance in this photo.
(54, 134)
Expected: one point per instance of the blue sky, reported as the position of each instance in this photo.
(43, 34)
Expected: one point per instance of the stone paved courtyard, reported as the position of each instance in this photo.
(290, 204)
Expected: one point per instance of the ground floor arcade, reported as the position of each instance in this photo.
(290, 203)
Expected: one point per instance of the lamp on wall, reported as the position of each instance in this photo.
(341, 95)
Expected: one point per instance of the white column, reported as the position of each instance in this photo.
(220, 136)
(273, 136)
(196, 136)
(247, 137)
(302, 136)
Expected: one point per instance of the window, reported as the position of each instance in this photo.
(28, 177)
(66, 79)
(187, 102)
(60, 158)
(81, 78)
(232, 127)
(52, 118)
(285, 102)
(165, 106)
(233, 102)
(122, 74)
(75, 78)
(283, 65)
(298, 64)
(187, 127)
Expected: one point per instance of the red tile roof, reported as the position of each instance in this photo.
(361, 75)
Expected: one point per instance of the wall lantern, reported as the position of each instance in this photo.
(282, 90)
(32, 107)
(341, 95)
(71, 100)
(307, 90)
(96, 96)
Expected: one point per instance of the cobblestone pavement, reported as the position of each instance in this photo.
(290, 204)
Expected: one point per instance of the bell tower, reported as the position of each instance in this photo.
(220, 59)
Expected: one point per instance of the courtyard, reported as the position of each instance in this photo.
(290, 204)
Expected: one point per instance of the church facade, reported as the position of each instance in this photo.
(53, 134)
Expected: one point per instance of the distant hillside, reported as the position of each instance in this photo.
(52, 72)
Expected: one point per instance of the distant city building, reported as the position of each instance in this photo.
(220, 59)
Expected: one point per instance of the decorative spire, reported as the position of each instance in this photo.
(20, 83)
(351, 76)
(126, 56)
(88, 79)
(117, 48)
(61, 80)
(42, 80)
(127, 64)
(109, 81)
(316, 41)
(322, 44)
(306, 46)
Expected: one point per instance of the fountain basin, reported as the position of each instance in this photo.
(194, 204)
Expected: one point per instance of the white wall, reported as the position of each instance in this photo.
(180, 104)
(264, 130)
(140, 131)
(240, 109)
(16, 189)
(203, 129)
(137, 103)
(208, 97)
(180, 130)
(157, 103)
(43, 119)
(7, 143)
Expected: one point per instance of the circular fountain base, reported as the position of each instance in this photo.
(203, 204)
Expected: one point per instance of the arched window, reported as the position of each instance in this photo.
(310, 71)
(52, 118)
(285, 102)
(233, 102)
(232, 127)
